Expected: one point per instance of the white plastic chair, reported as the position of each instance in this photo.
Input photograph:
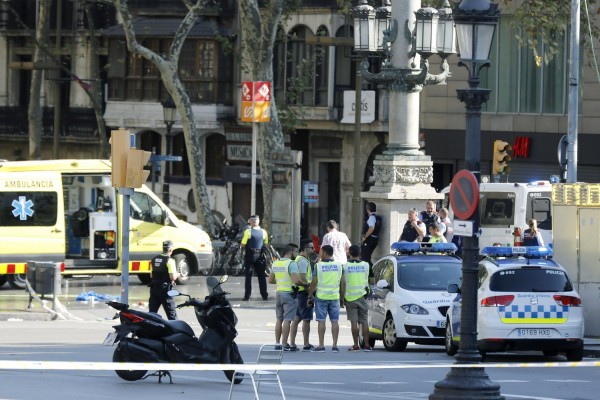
(268, 354)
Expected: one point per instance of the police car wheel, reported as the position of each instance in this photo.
(390, 340)
(183, 268)
(17, 281)
(575, 354)
(451, 347)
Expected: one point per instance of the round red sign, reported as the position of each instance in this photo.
(464, 194)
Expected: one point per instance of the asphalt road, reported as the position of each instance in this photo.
(416, 370)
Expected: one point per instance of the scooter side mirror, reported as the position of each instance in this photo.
(224, 279)
(173, 293)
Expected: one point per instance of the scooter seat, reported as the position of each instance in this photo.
(181, 327)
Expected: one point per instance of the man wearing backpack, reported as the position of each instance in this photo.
(370, 233)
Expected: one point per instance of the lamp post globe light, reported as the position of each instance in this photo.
(476, 22)
(169, 114)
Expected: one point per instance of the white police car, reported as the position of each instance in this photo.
(410, 298)
(526, 301)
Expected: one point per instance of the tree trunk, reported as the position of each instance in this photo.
(259, 27)
(34, 110)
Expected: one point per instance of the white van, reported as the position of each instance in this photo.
(67, 211)
(504, 206)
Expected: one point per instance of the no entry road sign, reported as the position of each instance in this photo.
(464, 194)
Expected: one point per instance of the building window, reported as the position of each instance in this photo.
(300, 69)
(205, 72)
(215, 155)
(522, 84)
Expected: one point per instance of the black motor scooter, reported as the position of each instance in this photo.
(147, 338)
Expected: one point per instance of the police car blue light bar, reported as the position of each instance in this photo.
(413, 247)
(406, 247)
(525, 251)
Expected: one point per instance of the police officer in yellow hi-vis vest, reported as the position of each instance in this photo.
(354, 288)
(304, 312)
(284, 274)
(326, 282)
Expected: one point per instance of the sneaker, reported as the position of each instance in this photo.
(354, 348)
(293, 348)
(309, 347)
(286, 347)
(367, 348)
(277, 347)
(318, 350)
(335, 349)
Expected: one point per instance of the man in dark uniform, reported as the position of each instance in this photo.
(252, 242)
(164, 275)
(370, 232)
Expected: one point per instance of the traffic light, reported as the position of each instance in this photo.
(136, 174)
(120, 143)
(500, 157)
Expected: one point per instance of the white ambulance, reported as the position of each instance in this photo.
(66, 211)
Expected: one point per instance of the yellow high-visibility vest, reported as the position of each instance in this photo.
(282, 275)
(356, 274)
(329, 275)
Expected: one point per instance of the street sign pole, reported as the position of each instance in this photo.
(253, 172)
(126, 194)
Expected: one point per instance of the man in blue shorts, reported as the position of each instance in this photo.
(326, 282)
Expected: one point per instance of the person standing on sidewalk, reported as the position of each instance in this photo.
(338, 240)
(354, 290)
(285, 275)
(326, 283)
(304, 313)
(164, 275)
(252, 243)
(370, 234)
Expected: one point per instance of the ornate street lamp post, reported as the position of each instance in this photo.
(476, 22)
(169, 113)
(405, 35)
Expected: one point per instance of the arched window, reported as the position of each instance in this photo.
(300, 69)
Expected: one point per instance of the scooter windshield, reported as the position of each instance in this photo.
(213, 285)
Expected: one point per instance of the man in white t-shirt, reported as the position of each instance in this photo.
(338, 240)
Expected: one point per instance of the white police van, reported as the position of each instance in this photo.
(526, 301)
(410, 298)
(506, 206)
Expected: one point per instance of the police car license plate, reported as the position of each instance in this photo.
(441, 324)
(110, 339)
(535, 333)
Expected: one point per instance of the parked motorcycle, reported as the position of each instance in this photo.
(228, 255)
(146, 337)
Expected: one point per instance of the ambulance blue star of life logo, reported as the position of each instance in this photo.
(23, 208)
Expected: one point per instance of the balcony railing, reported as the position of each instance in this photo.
(75, 122)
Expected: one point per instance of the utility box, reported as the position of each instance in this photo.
(576, 240)
(41, 276)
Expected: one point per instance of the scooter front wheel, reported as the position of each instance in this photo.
(128, 375)
(234, 358)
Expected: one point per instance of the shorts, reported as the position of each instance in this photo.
(327, 307)
(304, 311)
(357, 310)
(285, 306)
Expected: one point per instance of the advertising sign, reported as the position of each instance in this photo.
(256, 101)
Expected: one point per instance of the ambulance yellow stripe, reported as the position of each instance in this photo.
(534, 320)
(139, 266)
(13, 268)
